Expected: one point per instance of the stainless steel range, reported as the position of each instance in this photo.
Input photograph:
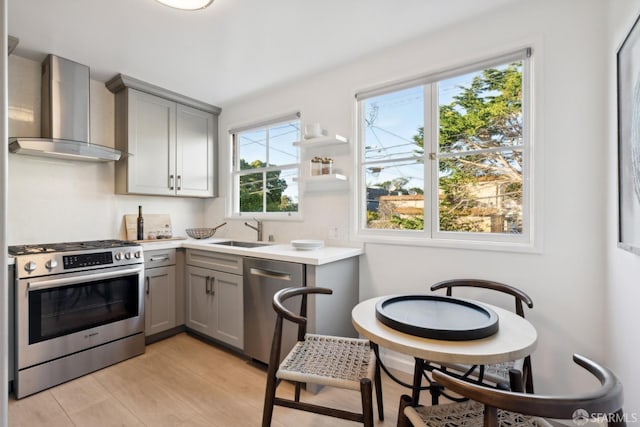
(79, 307)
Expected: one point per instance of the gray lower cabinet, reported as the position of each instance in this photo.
(331, 314)
(160, 291)
(214, 305)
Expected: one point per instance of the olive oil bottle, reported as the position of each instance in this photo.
(140, 224)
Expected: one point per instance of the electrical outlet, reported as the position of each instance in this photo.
(334, 233)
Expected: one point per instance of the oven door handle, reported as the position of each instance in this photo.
(45, 284)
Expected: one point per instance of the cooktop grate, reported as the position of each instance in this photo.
(17, 250)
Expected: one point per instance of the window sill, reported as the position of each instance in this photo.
(398, 240)
(272, 216)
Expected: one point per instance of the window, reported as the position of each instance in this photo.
(447, 156)
(265, 167)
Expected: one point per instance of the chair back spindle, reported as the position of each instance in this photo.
(519, 379)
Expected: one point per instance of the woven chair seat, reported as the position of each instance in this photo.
(499, 370)
(466, 414)
(327, 360)
(496, 373)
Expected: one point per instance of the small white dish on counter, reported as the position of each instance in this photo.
(307, 245)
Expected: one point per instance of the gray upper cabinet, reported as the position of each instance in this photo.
(195, 157)
(149, 138)
(169, 141)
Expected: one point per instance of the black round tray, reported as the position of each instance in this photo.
(437, 317)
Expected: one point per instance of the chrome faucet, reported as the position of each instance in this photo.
(257, 227)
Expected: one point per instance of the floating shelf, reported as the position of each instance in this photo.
(322, 178)
(326, 178)
(322, 141)
(333, 182)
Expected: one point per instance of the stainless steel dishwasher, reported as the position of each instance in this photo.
(262, 279)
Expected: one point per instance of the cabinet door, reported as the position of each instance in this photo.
(195, 155)
(160, 295)
(152, 144)
(198, 311)
(228, 314)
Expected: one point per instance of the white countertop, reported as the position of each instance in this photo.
(276, 251)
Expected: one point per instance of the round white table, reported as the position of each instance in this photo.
(515, 339)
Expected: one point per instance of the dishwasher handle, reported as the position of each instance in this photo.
(270, 274)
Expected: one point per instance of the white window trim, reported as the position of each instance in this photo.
(529, 242)
(233, 201)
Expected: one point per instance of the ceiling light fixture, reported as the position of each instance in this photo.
(186, 4)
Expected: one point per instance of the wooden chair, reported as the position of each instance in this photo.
(516, 375)
(320, 359)
(491, 407)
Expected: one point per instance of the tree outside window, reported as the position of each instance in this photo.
(265, 168)
(447, 156)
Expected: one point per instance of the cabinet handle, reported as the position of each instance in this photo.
(206, 285)
(170, 182)
(159, 258)
(179, 181)
(147, 287)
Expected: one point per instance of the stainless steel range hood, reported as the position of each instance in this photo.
(65, 116)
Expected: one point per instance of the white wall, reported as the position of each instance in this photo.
(52, 200)
(580, 304)
(623, 284)
(566, 279)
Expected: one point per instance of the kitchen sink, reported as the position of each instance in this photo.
(241, 244)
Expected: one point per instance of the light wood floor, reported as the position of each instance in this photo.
(181, 381)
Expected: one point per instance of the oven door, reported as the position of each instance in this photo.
(63, 314)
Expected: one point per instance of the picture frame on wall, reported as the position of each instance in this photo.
(628, 70)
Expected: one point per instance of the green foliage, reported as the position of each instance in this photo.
(453, 221)
(252, 190)
(408, 223)
(486, 114)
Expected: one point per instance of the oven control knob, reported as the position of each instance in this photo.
(118, 256)
(137, 254)
(30, 266)
(127, 255)
(51, 264)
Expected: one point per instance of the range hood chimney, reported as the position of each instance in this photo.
(65, 116)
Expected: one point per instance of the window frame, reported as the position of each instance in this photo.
(430, 235)
(236, 172)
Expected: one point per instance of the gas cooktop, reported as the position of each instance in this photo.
(68, 247)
